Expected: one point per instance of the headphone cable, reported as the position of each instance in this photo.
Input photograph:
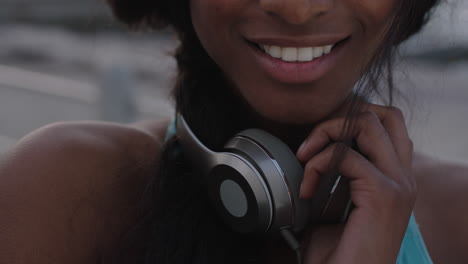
(292, 242)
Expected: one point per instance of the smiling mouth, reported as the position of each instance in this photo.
(297, 54)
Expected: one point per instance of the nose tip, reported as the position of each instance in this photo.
(296, 11)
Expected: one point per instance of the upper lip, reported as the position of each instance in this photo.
(303, 41)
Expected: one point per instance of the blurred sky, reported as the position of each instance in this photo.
(69, 60)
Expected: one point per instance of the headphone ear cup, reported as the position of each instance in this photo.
(288, 183)
(240, 194)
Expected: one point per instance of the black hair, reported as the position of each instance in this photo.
(178, 225)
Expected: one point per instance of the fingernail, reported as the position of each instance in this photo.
(301, 149)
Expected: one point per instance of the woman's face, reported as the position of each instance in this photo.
(277, 52)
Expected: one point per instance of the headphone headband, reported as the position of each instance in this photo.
(193, 147)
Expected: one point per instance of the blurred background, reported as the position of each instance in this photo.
(64, 60)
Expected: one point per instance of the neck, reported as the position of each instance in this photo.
(294, 134)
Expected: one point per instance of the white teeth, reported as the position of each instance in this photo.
(291, 54)
(318, 51)
(305, 54)
(275, 52)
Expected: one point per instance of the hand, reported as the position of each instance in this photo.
(383, 189)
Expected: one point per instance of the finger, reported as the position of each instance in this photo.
(393, 121)
(315, 167)
(372, 140)
(354, 167)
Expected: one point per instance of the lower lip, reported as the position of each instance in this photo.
(297, 72)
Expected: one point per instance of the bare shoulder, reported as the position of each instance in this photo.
(442, 208)
(67, 190)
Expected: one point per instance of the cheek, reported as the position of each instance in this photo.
(214, 21)
(374, 18)
(217, 23)
(203, 13)
(374, 13)
(206, 8)
(209, 14)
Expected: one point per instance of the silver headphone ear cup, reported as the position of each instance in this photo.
(268, 172)
(240, 194)
(288, 185)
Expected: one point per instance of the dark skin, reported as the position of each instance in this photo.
(68, 189)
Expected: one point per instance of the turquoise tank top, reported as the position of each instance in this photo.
(412, 250)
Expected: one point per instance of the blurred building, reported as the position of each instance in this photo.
(68, 12)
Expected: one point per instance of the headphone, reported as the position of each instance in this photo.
(254, 183)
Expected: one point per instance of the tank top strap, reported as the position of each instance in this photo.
(171, 130)
(413, 249)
